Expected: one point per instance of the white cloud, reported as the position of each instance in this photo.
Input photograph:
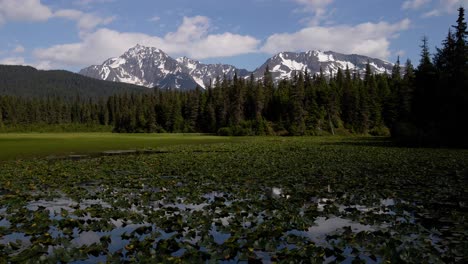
(372, 39)
(12, 61)
(34, 10)
(192, 39)
(314, 4)
(85, 21)
(317, 7)
(446, 7)
(18, 60)
(45, 65)
(192, 28)
(71, 14)
(19, 49)
(432, 13)
(414, 4)
(90, 21)
(154, 19)
(400, 53)
(90, 2)
(23, 10)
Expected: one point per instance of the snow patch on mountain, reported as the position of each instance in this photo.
(117, 62)
(377, 68)
(345, 64)
(323, 57)
(285, 64)
(292, 64)
(151, 67)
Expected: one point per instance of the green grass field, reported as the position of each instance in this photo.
(28, 145)
(252, 199)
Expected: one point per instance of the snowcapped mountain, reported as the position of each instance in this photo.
(150, 67)
(283, 64)
(204, 73)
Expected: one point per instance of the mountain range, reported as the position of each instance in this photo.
(152, 67)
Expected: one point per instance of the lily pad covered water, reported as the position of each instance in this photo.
(265, 200)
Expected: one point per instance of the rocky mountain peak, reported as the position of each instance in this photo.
(150, 66)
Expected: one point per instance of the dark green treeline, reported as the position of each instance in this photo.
(303, 105)
(435, 107)
(423, 105)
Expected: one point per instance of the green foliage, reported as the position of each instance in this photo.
(248, 128)
(306, 104)
(381, 131)
(56, 128)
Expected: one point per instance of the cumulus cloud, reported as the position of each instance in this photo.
(45, 65)
(372, 39)
(19, 49)
(400, 53)
(446, 7)
(12, 61)
(154, 19)
(313, 5)
(317, 7)
(34, 10)
(85, 21)
(23, 10)
(90, 2)
(414, 4)
(192, 39)
(192, 28)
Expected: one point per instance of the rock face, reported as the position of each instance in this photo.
(151, 67)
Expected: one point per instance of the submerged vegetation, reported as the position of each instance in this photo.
(265, 199)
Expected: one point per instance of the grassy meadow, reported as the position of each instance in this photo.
(252, 199)
(30, 145)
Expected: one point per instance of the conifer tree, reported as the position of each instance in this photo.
(405, 92)
(425, 101)
(269, 89)
(259, 99)
(375, 108)
(297, 126)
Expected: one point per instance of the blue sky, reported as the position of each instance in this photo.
(73, 34)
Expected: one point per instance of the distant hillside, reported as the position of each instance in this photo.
(29, 82)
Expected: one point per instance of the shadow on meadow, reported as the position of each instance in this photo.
(388, 142)
(364, 142)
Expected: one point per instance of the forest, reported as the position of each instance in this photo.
(423, 105)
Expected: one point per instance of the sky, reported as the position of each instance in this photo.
(73, 34)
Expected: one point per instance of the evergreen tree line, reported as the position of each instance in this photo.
(424, 105)
(24, 111)
(435, 106)
(303, 105)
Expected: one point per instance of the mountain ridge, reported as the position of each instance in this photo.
(152, 67)
(27, 81)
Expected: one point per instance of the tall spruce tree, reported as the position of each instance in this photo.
(425, 105)
(457, 103)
